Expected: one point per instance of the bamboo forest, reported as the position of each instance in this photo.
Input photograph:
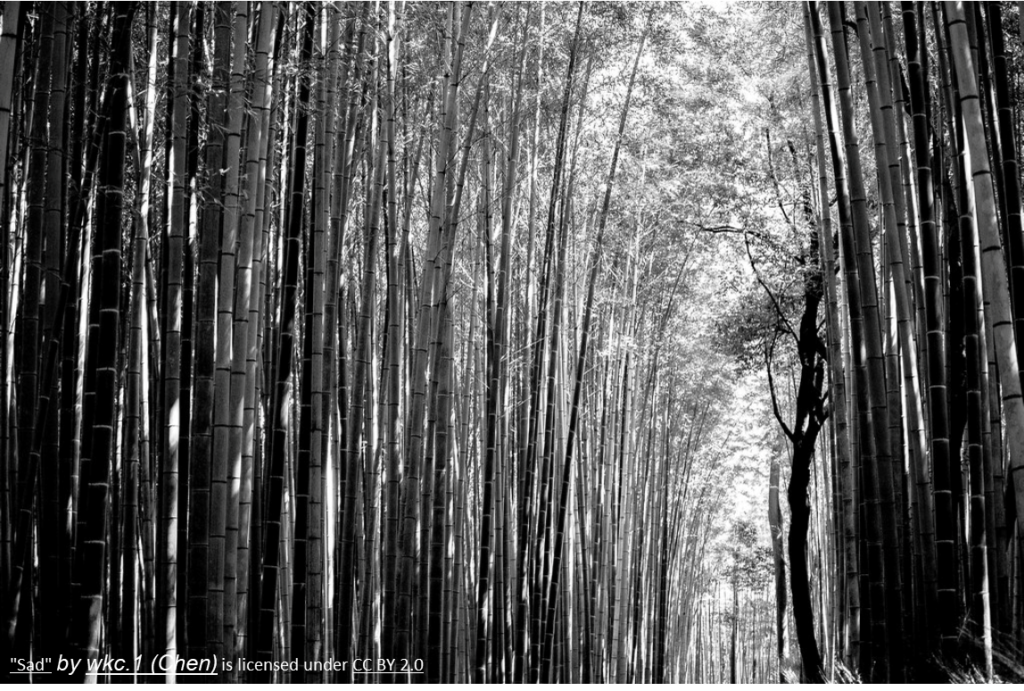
(511, 342)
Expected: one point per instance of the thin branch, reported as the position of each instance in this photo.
(775, 179)
(723, 228)
(778, 308)
(768, 352)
